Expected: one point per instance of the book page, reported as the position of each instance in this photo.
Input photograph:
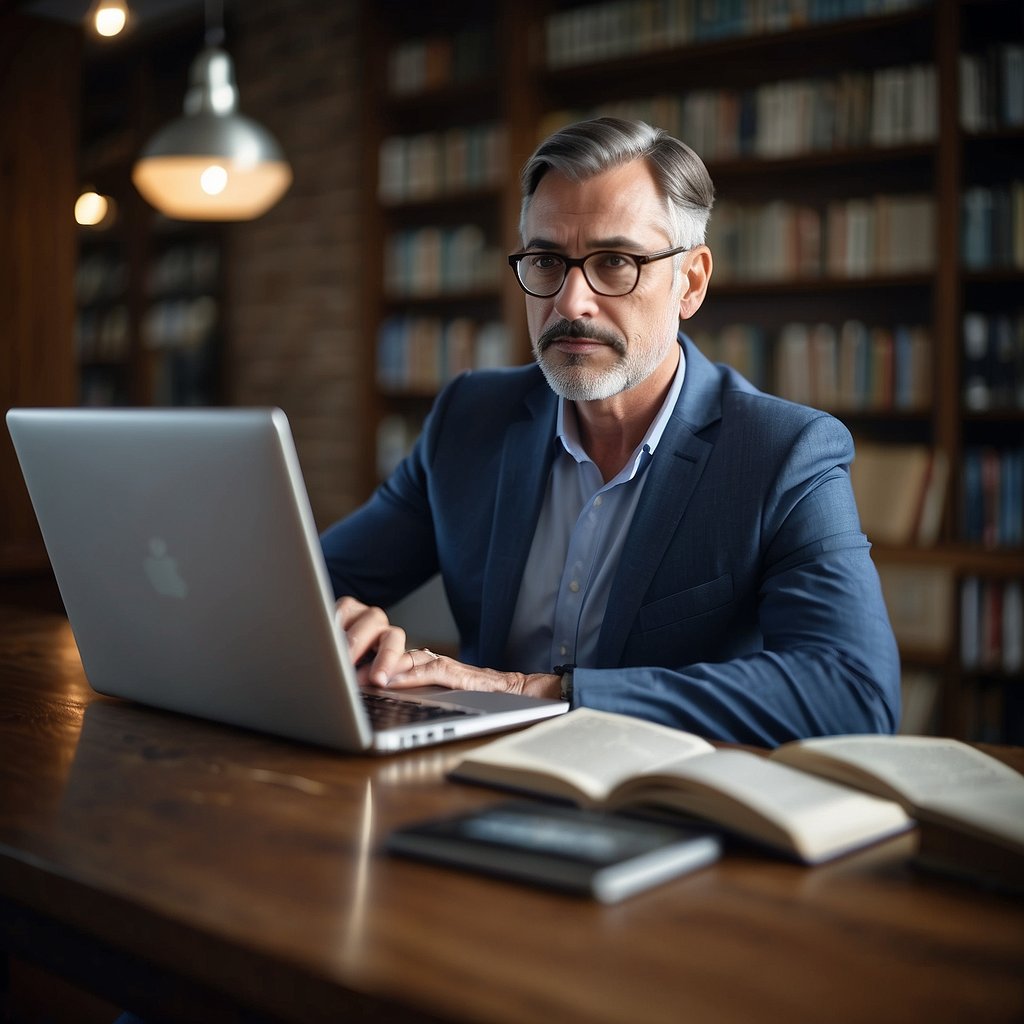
(790, 809)
(917, 769)
(592, 750)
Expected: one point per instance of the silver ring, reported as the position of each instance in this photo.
(425, 650)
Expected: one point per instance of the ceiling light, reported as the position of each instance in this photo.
(109, 17)
(213, 163)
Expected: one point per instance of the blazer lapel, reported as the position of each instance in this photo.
(526, 458)
(673, 475)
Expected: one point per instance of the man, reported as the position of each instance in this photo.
(625, 523)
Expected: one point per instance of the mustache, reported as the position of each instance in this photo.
(579, 329)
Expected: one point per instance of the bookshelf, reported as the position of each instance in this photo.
(148, 290)
(446, 134)
(868, 235)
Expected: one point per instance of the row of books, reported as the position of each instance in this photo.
(431, 164)
(887, 107)
(439, 61)
(993, 496)
(182, 323)
(190, 267)
(993, 369)
(993, 227)
(420, 353)
(433, 260)
(778, 241)
(100, 276)
(854, 367)
(992, 88)
(102, 334)
(622, 28)
(992, 624)
(849, 367)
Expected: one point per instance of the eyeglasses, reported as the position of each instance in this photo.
(542, 274)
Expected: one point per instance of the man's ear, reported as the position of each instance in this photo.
(695, 285)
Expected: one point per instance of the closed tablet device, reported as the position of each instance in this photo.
(591, 853)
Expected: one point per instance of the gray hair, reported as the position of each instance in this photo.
(588, 148)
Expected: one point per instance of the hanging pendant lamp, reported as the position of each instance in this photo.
(213, 163)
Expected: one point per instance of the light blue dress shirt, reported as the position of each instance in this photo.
(577, 545)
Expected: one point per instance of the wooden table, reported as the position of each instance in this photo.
(179, 867)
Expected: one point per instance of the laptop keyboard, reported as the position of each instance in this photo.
(386, 712)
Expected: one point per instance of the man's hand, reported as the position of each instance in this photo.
(431, 669)
(378, 650)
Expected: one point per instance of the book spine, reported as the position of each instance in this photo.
(992, 485)
(993, 227)
(992, 625)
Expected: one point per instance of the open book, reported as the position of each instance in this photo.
(969, 806)
(598, 759)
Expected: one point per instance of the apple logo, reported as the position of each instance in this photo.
(162, 570)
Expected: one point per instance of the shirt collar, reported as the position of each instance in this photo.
(568, 433)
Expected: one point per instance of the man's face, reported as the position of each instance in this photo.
(594, 346)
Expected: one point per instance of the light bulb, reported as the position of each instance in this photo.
(110, 17)
(90, 209)
(213, 180)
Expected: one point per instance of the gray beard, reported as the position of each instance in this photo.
(573, 382)
(570, 378)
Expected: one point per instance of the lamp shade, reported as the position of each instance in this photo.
(212, 163)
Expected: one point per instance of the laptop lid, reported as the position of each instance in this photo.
(187, 557)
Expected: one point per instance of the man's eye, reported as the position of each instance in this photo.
(615, 261)
(544, 262)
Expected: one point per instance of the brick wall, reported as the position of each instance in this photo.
(294, 276)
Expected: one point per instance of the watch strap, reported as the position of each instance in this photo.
(566, 681)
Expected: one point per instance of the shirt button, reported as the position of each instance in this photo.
(563, 650)
(574, 586)
(598, 501)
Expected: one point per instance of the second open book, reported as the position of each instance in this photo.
(598, 759)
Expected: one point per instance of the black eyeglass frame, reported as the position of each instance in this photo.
(579, 261)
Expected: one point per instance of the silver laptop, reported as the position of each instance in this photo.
(185, 551)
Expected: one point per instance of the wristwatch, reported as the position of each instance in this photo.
(565, 671)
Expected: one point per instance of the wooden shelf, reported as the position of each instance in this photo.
(999, 563)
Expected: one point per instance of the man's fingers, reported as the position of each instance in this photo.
(390, 646)
(370, 636)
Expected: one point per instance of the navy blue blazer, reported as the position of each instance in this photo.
(746, 606)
